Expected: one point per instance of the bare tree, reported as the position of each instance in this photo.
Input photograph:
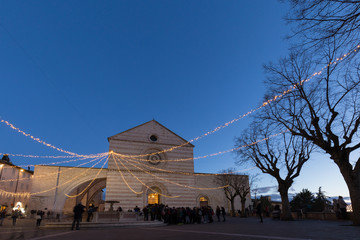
(282, 157)
(243, 187)
(237, 185)
(320, 21)
(324, 111)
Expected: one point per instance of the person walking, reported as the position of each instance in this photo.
(78, 211)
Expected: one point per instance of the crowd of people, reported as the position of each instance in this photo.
(181, 215)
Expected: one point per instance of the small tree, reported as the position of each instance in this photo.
(320, 202)
(302, 200)
(226, 178)
(306, 200)
(242, 188)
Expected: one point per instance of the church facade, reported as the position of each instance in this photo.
(148, 164)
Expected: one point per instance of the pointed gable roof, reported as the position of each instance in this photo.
(153, 127)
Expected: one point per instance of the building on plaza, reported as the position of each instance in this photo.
(15, 185)
(147, 164)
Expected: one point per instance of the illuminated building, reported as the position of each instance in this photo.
(15, 184)
(145, 166)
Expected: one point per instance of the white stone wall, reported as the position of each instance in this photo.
(14, 180)
(216, 197)
(45, 182)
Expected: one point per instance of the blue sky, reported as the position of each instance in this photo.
(76, 72)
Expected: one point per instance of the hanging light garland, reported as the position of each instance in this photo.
(70, 180)
(97, 174)
(123, 178)
(6, 194)
(36, 139)
(188, 173)
(171, 182)
(209, 132)
(51, 174)
(144, 184)
(200, 157)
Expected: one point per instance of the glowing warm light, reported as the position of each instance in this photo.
(126, 183)
(97, 174)
(53, 173)
(36, 139)
(205, 156)
(70, 180)
(175, 183)
(19, 207)
(144, 184)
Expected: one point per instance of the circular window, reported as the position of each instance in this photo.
(153, 138)
(154, 159)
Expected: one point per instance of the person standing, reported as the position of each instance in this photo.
(342, 206)
(2, 216)
(14, 216)
(223, 212)
(90, 212)
(218, 213)
(78, 211)
(39, 217)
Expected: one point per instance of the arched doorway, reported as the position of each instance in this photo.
(204, 201)
(86, 194)
(153, 196)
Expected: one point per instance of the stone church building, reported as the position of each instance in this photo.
(141, 171)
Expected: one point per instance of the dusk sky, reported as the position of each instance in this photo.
(76, 72)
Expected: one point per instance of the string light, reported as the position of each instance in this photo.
(36, 139)
(40, 176)
(68, 169)
(276, 97)
(188, 173)
(70, 180)
(200, 157)
(175, 183)
(34, 156)
(147, 185)
(123, 178)
(5, 194)
(209, 132)
(97, 174)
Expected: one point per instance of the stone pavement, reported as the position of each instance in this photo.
(233, 228)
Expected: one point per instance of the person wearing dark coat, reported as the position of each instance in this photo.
(223, 212)
(78, 211)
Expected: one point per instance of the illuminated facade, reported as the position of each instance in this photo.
(15, 184)
(147, 164)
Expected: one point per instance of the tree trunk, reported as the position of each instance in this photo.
(243, 201)
(352, 180)
(285, 211)
(232, 213)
